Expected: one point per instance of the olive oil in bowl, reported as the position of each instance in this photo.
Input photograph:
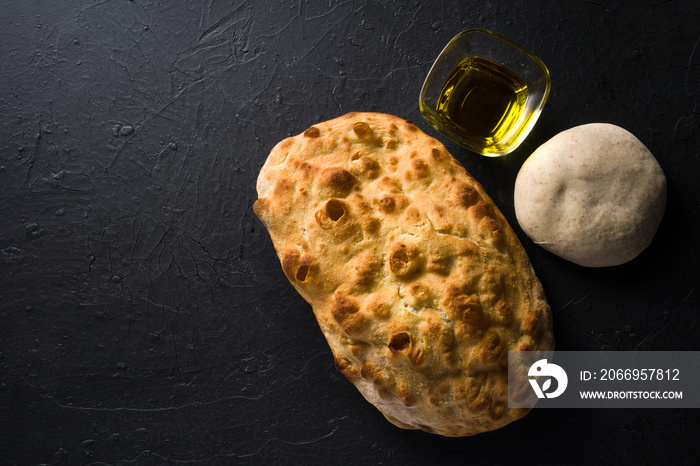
(485, 92)
(482, 102)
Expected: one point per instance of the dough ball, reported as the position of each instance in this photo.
(593, 195)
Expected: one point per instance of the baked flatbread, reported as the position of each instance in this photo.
(416, 279)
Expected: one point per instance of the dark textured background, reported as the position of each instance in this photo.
(144, 318)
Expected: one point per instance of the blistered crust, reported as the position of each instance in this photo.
(417, 281)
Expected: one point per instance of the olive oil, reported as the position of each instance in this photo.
(481, 104)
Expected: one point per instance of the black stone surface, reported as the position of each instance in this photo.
(144, 318)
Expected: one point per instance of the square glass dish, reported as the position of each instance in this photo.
(485, 92)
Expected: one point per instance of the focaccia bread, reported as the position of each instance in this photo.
(416, 279)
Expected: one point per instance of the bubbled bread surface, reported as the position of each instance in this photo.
(416, 279)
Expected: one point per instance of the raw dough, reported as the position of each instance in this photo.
(593, 195)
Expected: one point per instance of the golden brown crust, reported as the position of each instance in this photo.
(417, 281)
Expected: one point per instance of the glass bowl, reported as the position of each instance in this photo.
(485, 92)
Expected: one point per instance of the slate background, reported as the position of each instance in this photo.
(144, 318)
